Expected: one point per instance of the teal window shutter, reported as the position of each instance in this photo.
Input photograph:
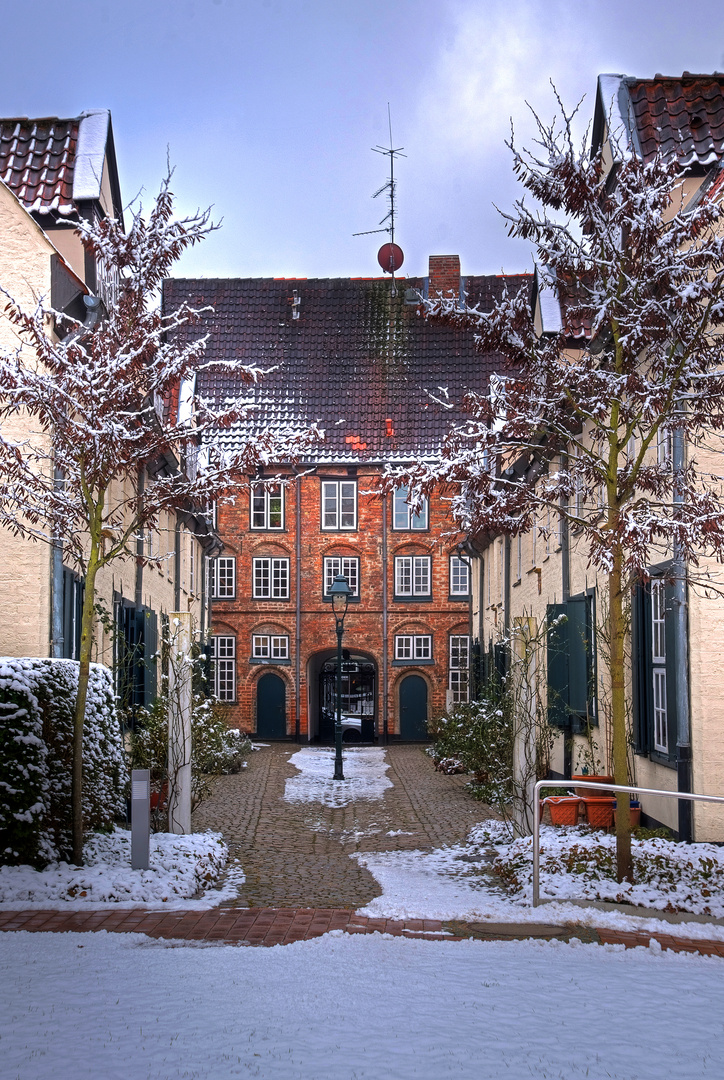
(579, 657)
(150, 665)
(557, 665)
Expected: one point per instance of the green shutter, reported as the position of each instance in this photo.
(150, 665)
(579, 656)
(641, 667)
(557, 666)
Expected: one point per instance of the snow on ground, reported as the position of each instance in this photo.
(458, 882)
(364, 770)
(576, 862)
(125, 1007)
(179, 867)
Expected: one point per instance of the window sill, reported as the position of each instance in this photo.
(412, 663)
(269, 663)
(459, 598)
(413, 599)
(270, 599)
(352, 599)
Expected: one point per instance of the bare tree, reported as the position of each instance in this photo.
(101, 412)
(574, 424)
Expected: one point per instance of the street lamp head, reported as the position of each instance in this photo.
(340, 593)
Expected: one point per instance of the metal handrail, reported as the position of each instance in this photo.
(595, 786)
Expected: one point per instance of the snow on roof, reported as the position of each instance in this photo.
(90, 154)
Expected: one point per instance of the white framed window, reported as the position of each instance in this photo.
(341, 564)
(459, 576)
(664, 447)
(413, 647)
(223, 578)
(223, 659)
(658, 660)
(267, 507)
(270, 578)
(412, 575)
(270, 647)
(459, 666)
(192, 564)
(339, 504)
(403, 517)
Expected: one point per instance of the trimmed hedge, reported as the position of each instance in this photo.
(37, 698)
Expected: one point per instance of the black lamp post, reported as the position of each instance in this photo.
(340, 593)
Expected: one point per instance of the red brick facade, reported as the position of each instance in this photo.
(372, 622)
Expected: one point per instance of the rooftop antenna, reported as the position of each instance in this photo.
(390, 256)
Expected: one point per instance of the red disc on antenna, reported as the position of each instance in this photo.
(390, 258)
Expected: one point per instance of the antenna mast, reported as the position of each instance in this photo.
(390, 256)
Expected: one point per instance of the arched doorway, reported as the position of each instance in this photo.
(413, 708)
(271, 713)
(358, 698)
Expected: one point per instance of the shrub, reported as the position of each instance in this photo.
(37, 698)
(215, 749)
(477, 736)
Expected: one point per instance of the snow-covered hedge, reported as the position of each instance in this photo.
(37, 698)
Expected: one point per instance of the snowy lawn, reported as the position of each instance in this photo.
(180, 866)
(364, 771)
(488, 878)
(125, 1007)
(578, 862)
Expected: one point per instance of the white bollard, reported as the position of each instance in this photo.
(179, 723)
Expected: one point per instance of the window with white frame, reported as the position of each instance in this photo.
(413, 647)
(192, 564)
(412, 575)
(270, 647)
(403, 516)
(339, 504)
(459, 666)
(223, 660)
(664, 447)
(223, 578)
(658, 664)
(267, 506)
(459, 576)
(270, 578)
(346, 565)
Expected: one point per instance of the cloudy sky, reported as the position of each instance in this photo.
(268, 109)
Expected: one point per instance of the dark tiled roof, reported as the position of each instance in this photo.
(355, 359)
(682, 116)
(36, 162)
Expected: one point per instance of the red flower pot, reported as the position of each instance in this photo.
(599, 811)
(564, 809)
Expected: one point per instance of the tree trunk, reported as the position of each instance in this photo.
(624, 866)
(86, 642)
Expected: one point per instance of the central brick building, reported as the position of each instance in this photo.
(358, 359)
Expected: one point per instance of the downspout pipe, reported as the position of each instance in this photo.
(385, 627)
(57, 643)
(681, 651)
(298, 611)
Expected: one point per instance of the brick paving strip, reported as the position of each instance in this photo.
(300, 880)
(282, 926)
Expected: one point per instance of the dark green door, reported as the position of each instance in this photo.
(413, 708)
(271, 720)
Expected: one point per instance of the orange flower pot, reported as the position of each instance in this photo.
(599, 811)
(584, 792)
(564, 809)
(635, 812)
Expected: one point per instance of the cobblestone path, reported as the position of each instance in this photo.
(296, 855)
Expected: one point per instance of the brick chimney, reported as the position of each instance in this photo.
(444, 276)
